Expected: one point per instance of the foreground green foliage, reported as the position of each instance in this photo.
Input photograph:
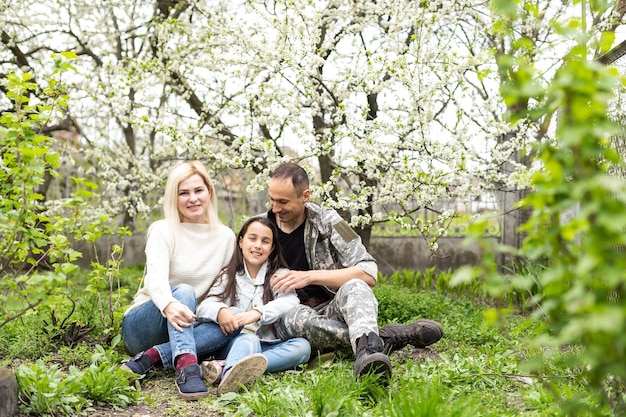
(46, 390)
(475, 370)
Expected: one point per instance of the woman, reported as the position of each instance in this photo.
(185, 252)
(243, 297)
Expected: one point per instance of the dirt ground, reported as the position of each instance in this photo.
(134, 411)
(164, 402)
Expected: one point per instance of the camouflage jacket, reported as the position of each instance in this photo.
(330, 243)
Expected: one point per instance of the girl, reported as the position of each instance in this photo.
(243, 296)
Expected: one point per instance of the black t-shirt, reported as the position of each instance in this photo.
(293, 248)
(295, 255)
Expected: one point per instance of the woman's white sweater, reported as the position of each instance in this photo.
(195, 257)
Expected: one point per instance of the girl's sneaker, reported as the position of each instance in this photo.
(213, 371)
(243, 373)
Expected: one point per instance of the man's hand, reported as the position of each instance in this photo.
(291, 280)
(179, 315)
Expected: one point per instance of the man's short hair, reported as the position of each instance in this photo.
(297, 174)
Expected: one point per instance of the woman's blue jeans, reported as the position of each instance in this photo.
(280, 356)
(145, 327)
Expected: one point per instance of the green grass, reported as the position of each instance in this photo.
(475, 370)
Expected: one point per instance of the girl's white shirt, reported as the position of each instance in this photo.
(249, 296)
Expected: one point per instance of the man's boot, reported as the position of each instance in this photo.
(420, 333)
(370, 357)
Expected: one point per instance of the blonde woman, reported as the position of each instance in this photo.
(185, 253)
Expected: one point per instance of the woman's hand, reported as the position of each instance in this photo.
(179, 315)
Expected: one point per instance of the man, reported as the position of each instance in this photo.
(333, 273)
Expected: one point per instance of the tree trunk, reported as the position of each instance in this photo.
(8, 393)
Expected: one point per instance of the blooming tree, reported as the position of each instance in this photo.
(395, 104)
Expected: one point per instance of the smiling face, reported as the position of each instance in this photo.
(193, 200)
(256, 246)
(287, 204)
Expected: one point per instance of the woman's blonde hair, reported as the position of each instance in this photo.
(179, 173)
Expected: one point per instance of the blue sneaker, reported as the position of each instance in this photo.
(190, 384)
(139, 364)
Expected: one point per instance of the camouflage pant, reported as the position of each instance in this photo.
(337, 324)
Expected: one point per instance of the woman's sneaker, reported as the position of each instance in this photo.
(190, 384)
(213, 370)
(243, 373)
(138, 364)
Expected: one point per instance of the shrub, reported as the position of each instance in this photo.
(36, 234)
(35, 252)
(580, 294)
